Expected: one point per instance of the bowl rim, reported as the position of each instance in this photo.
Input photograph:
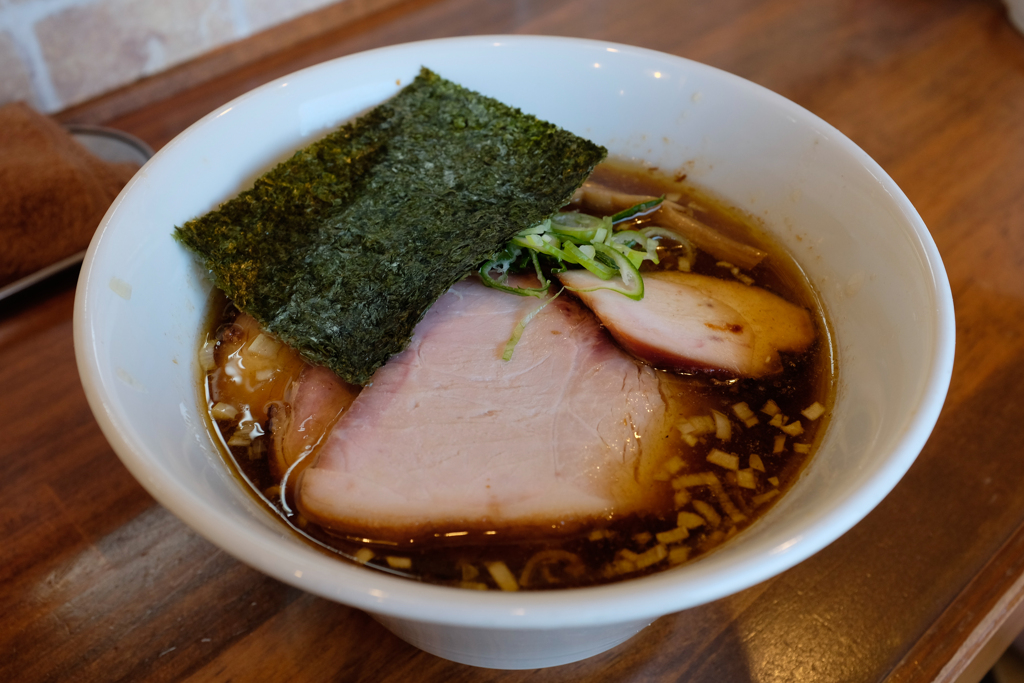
(637, 599)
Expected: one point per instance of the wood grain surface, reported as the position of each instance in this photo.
(98, 583)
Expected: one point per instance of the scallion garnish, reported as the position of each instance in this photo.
(517, 331)
(503, 262)
(638, 209)
(655, 233)
(578, 239)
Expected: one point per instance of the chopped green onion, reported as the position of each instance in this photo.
(576, 238)
(536, 244)
(575, 219)
(632, 284)
(544, 284)
(624, 236)
(593, 265)
(623, 240)
(542, 227)
(485, 277)
(578, 226)
(638, 209)
(637, 257)
(665, 233)
(517, 331)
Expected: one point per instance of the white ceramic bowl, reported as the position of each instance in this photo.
(141, 302)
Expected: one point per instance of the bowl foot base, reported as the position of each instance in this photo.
(511, 648)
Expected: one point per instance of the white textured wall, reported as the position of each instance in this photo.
(55, 53)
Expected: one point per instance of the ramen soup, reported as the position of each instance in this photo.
(609, 445)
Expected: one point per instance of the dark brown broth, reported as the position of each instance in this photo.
(605, 550)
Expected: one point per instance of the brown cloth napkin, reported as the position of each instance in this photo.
(53, 192)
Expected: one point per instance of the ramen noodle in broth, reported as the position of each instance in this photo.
(722, 452)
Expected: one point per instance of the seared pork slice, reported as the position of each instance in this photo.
(312, 403)
(606, 201)
(691, 322)
(448, 436)
(267, 381)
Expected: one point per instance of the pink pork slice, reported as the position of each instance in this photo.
(450, 436)
(687, 321)
(313, 402)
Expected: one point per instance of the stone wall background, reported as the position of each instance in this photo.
(56, 53)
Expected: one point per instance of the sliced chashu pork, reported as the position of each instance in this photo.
(687, 321)
(312, 404)
(262, 378)
(605, 201)
(450, 436)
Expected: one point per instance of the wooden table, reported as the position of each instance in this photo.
(97, 582)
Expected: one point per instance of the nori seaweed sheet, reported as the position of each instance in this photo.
(340, 250)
